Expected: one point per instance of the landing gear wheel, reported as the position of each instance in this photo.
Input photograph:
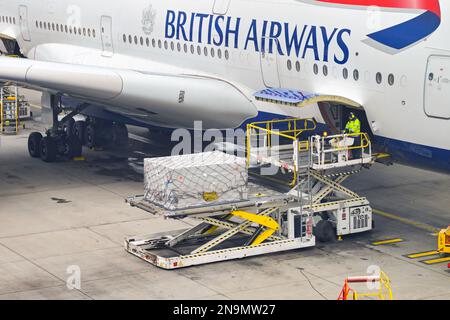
(48, 149)
(68, 127)
(34, 143)
(90, 136)
(78, 131)
(325, 231)
(73, 148)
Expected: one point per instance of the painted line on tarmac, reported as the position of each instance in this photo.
(436, 261)
(422, 254)
(407, 221)
(389, 241)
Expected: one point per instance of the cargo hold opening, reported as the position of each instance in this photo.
(336, 117)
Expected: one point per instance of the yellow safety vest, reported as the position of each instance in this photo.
(353, 126)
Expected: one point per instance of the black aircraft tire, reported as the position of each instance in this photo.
(78, 130)
(34, 144)
(48, 149)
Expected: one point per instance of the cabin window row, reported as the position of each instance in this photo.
(86, 32)
(10, 20)
(345, 72)
(186, 48)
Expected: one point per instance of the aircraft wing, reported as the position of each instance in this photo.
(169, 100)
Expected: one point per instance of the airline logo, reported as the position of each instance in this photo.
(407, 33)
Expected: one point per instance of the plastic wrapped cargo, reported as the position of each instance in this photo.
(188, 181)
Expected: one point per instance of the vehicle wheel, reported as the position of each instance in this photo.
(73, 148)
(68, 127)
(90, 136)
(120, 135)
(34, 144)
(48, 149)
(78, 130)
(325, 231)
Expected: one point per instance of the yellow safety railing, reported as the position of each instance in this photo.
(290, 129)
(331, 149)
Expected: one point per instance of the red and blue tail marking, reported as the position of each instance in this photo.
(407, 33)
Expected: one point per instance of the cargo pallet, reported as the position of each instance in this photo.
(276, 217)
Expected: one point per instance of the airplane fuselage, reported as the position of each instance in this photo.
(404, 87)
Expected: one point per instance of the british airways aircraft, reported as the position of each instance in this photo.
(165, 64)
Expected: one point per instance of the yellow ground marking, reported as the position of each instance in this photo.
(79, 159)
(435, 261)
(422, 254)
(389, 241)
(410, 222)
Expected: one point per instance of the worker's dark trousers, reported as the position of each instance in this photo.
(357, 153)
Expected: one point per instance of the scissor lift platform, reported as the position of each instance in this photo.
(275, 217)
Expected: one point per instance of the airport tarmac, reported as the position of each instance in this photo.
(56, 216)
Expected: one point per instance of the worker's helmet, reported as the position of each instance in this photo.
(325, 134)
(352, 116)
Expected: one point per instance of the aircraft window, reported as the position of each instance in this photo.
(205, 51)
(391, 79)
(356, 74)
(8, 19)
(289, 65)
(179, 47)
(74, 30)
(147, 42)
(84, 32)
(14, 20)
(325, 70)
(345, 73)
(70, 29)
(185, 48)
(166, 45)
(172, 46)
(379, 78)
(89, 33)
(79, 31)
(153, 43)
(227, 55)
(66, 29)
(297, 66)
(124, 38)
(53, 26)
(93, 33)
(57, 27)
(135, 40)
(316, 68)
(219, 54)
(142, 41)
(40, 25)
(213, 53)
(192, 49)
(199, 50)
(61, 27)
(45, 25)
(37, 24)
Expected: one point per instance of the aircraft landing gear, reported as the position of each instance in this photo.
(60, 140)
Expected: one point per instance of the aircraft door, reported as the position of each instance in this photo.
(107, 39)
(437, 87)
(269, 63)
(221, 6)
(23, 21)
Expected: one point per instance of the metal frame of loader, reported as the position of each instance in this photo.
(269, 221)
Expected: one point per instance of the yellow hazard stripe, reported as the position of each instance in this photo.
(389, 241)
(435, 261)
(410, 222)
(422, 254)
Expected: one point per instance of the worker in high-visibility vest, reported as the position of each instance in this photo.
(353, 128)
(353, 124)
